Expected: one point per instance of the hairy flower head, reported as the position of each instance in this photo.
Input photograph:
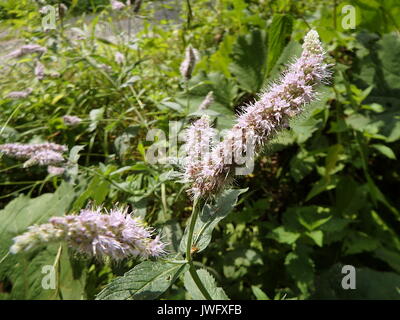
(187, 65)
(261, 120)
(115, 234)
(26, 49)
(71, 120)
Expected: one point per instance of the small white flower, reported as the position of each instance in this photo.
(94, 233)
(119, 57)
(71, 120)
(117, 5)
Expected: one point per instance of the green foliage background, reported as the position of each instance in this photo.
(323, 194)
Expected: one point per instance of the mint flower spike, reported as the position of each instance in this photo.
(26, 49)
(208, 101)
(71, 120)
(96, 234)
(20, 94)
(261, 120)
(188, 64)
(36, 154)
(39, 71)
(117, 5)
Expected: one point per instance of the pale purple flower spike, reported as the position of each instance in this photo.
(71, 120)
(42, 154)
(187, 65)
(96, 234)
(26, 49)
(44, 158)
(199, 138)
(208, 101)
(117, 5)
(260, 120)
(39, 71)
(119, 57)
(20, 94)
(55, 171)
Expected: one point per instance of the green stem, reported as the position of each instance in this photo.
(198, 282)
(164, 202)
(189, 13)
(334, 14)
(193, 219)
(192, 268)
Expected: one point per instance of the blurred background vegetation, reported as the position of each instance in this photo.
(323, 194)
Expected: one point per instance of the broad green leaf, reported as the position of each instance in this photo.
(301, 267)
(249, 60)
(278, 36)
(146, 281)
(377, 195)
(209, 217)
(95, 116)
(221, 58)
(96, 190)
(23, 211)
(216, 293)
(301, 165)
(350, 197)
(370, 284)
(304, 128)
(322, 185)
(74, 154)
(24, 270)
(332, 158)
(385, 150)
(282, 235)
(238, 262)
(71, 283)
(317, 236)
(358, 242)
(392, 258)
(260, 295)
(171, 234)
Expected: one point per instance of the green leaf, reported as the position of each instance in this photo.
(282, 235)
(350, 197)
(238, 262)
(209, 218)
(216, 293)
(23, 211)
(301, 267)
(95, 116)
(171, 233)
(24, 270)
(74, 154)
(260, 295)
(304, 128)
(71, 283)
(392, 258)
(278, 36)
(301, 165)
(221, 58)
(322, 185)
(96, 190)
(317, 236)
(385, 150)
(249, 60)
(358, 242)
(146, 281)
(370, 284)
